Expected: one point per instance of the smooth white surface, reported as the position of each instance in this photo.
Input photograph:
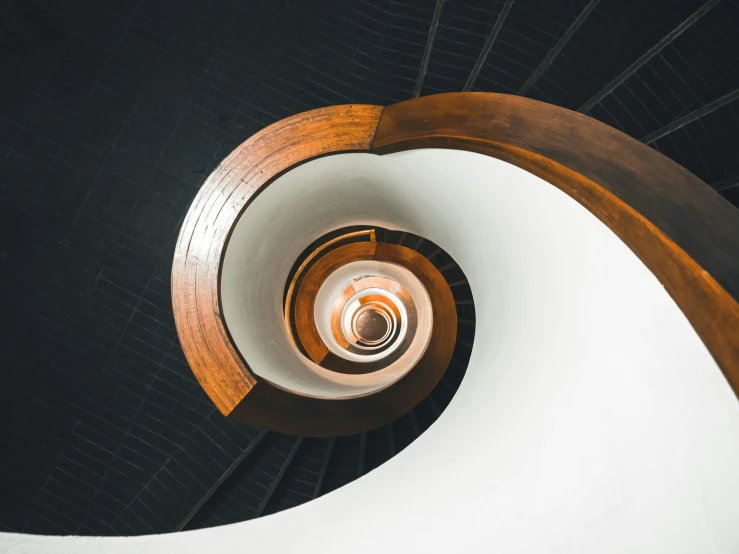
(591, 418)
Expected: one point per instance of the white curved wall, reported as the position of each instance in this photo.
(591, 418)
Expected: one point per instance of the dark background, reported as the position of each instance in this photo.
(111, 116)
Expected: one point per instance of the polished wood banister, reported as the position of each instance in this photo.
(224, 196)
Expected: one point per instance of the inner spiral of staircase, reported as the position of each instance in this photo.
(290, 470)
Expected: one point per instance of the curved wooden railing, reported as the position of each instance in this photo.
(684, 232)
(222, 199)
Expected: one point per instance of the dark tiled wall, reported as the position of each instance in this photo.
(111, 116)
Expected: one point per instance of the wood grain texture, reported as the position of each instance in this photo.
(204, 234)
(682, 230)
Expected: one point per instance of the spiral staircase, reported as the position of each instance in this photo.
(565, 311)
(576, 389)
(309, 467)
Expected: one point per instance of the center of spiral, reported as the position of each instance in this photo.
(371, 324)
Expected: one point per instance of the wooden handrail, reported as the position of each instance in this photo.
(224, 196)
